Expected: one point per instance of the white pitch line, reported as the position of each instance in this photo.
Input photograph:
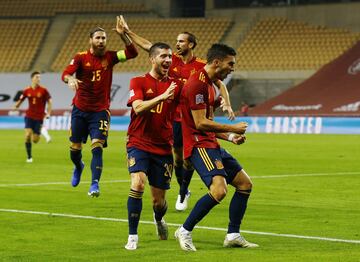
(304, 175)
(177, 225)
(61, 183)
(128, 181)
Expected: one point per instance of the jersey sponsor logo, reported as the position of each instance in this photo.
(88, 64)
(219, 164)
(199, 99)
(104, 63)
(149, 91)
(131, 93)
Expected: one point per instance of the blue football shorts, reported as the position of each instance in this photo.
(158, 168)
(83, 124)
(210, 162)
(33, 124)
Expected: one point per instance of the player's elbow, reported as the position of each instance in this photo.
(201, 125)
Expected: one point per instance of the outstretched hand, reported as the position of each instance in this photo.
(121, 25)
(227, 108)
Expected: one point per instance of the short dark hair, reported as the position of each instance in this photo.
(158, 45)
(96, 29)
(219, 51)
(34, 73)
(191, 38)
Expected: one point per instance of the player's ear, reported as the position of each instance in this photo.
(191, 45)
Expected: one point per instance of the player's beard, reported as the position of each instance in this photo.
(182, 52)
(99, 51)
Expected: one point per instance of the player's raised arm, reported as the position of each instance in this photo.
(226, 105)
(130, 51)
(140, 41)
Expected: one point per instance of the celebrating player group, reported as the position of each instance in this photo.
(171, 127)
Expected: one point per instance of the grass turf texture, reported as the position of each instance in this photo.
(316, 205)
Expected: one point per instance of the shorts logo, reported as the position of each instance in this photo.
(219, 164)
(131, 161)
(199, 99)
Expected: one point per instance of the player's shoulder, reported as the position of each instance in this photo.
(200, 61)
(26, 89)
(139, 79)
(82, 53)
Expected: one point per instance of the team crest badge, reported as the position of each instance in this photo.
(131, 161)
(219, 164)
(38, 94)
(104, 63)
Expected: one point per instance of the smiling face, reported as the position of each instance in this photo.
(161, 61)
(98, 43)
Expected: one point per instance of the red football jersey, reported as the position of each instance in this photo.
(198, 93)
(152, 131)
(93, 94)
(37, 98)
(182, 71)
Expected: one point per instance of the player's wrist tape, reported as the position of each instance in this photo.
(231, 137)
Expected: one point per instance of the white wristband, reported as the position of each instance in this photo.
(231, 137)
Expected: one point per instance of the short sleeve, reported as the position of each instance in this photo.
(72, 66)
(135, 92)
(197, 94)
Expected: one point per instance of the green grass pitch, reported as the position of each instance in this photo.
(304, 185)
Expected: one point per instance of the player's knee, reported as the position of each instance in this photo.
(137, 182)
(35, 138)
(188, 166)
(75, 146)
(97, 144)
(158, 202)
(218, 192)
(178, 162)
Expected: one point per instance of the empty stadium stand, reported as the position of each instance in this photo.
(280, 44)
(46, 8)
(208, 31)
(21, 42)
